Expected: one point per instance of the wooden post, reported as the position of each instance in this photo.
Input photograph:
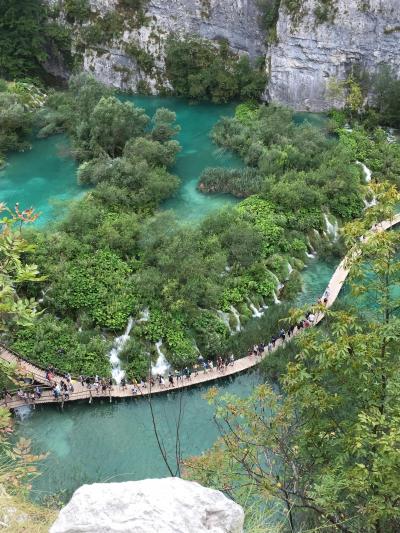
(90, 396)
(110, 395)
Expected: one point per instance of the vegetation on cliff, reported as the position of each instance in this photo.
(205, 70)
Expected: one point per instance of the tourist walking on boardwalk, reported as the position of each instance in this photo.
(170, 380)
(232, 359)
(123, 383)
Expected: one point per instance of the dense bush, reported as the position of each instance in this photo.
(15, 123)
(58, 342)
(204, 70)
(296, 167)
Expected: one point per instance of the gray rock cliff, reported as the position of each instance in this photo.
(308, 54)
(168, 505)
(238, 21)
(302, 63)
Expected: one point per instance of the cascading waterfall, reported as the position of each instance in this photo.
(390, 136)
(366, 171)
(225, 319)
(144, 315)
(257, 313)
(276, 299)
(368, 177)
(371, 203)
(279, 287)
(290, 269)
(118, 346)
(162, 366)
(332, 229)
(236, 314)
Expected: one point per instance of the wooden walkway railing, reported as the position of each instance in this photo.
(82, 392)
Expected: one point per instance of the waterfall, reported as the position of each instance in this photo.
(225, 319)
(372, 203)
(275, 278)
(144, 315)
(118, 346)
(310, 256)
(332, 229)
(279, 287)
(366, 171)
(236, 314)
(23, 412)
(276, 300)
(162, 366)
(390, 136)
(290, 268)
(257, 313)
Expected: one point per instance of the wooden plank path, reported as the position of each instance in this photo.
(245, 363)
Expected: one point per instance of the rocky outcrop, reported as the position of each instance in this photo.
(238, 21)
(168, 505)
(309, 54)
(302, 63)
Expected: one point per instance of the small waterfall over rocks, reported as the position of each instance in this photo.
(276, 299)
(290, 269)
(366, 171)
(118, 345)
(144, 315)
(225, 319)
(257, 313)
(372, 203)
(236, 314)
(332, 229)
(162, 366)
(23, 412)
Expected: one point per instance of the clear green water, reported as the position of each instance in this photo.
(198, 152)
(45, 175)
(40, 178)
(104, 442)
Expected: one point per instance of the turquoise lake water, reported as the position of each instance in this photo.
(46, 174)
(115, 442)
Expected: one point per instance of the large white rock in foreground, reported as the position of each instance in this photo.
(168, 505)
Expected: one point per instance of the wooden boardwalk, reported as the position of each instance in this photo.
(82, 393)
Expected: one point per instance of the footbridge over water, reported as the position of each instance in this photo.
(81, 392)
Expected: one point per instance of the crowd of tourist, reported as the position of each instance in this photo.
(63, 388)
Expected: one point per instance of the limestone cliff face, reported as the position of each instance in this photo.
(302, 63)
(308, 54)
(238, 21)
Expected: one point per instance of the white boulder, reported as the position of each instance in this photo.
(169, 505)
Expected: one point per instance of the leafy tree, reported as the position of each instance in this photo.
(15, 123)
(386, 89)
(21, 38)
(328, 450)
(202, 70)
(15, 308)
(58, 342)
(112, 123)
(163, 125)
(98, 285)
